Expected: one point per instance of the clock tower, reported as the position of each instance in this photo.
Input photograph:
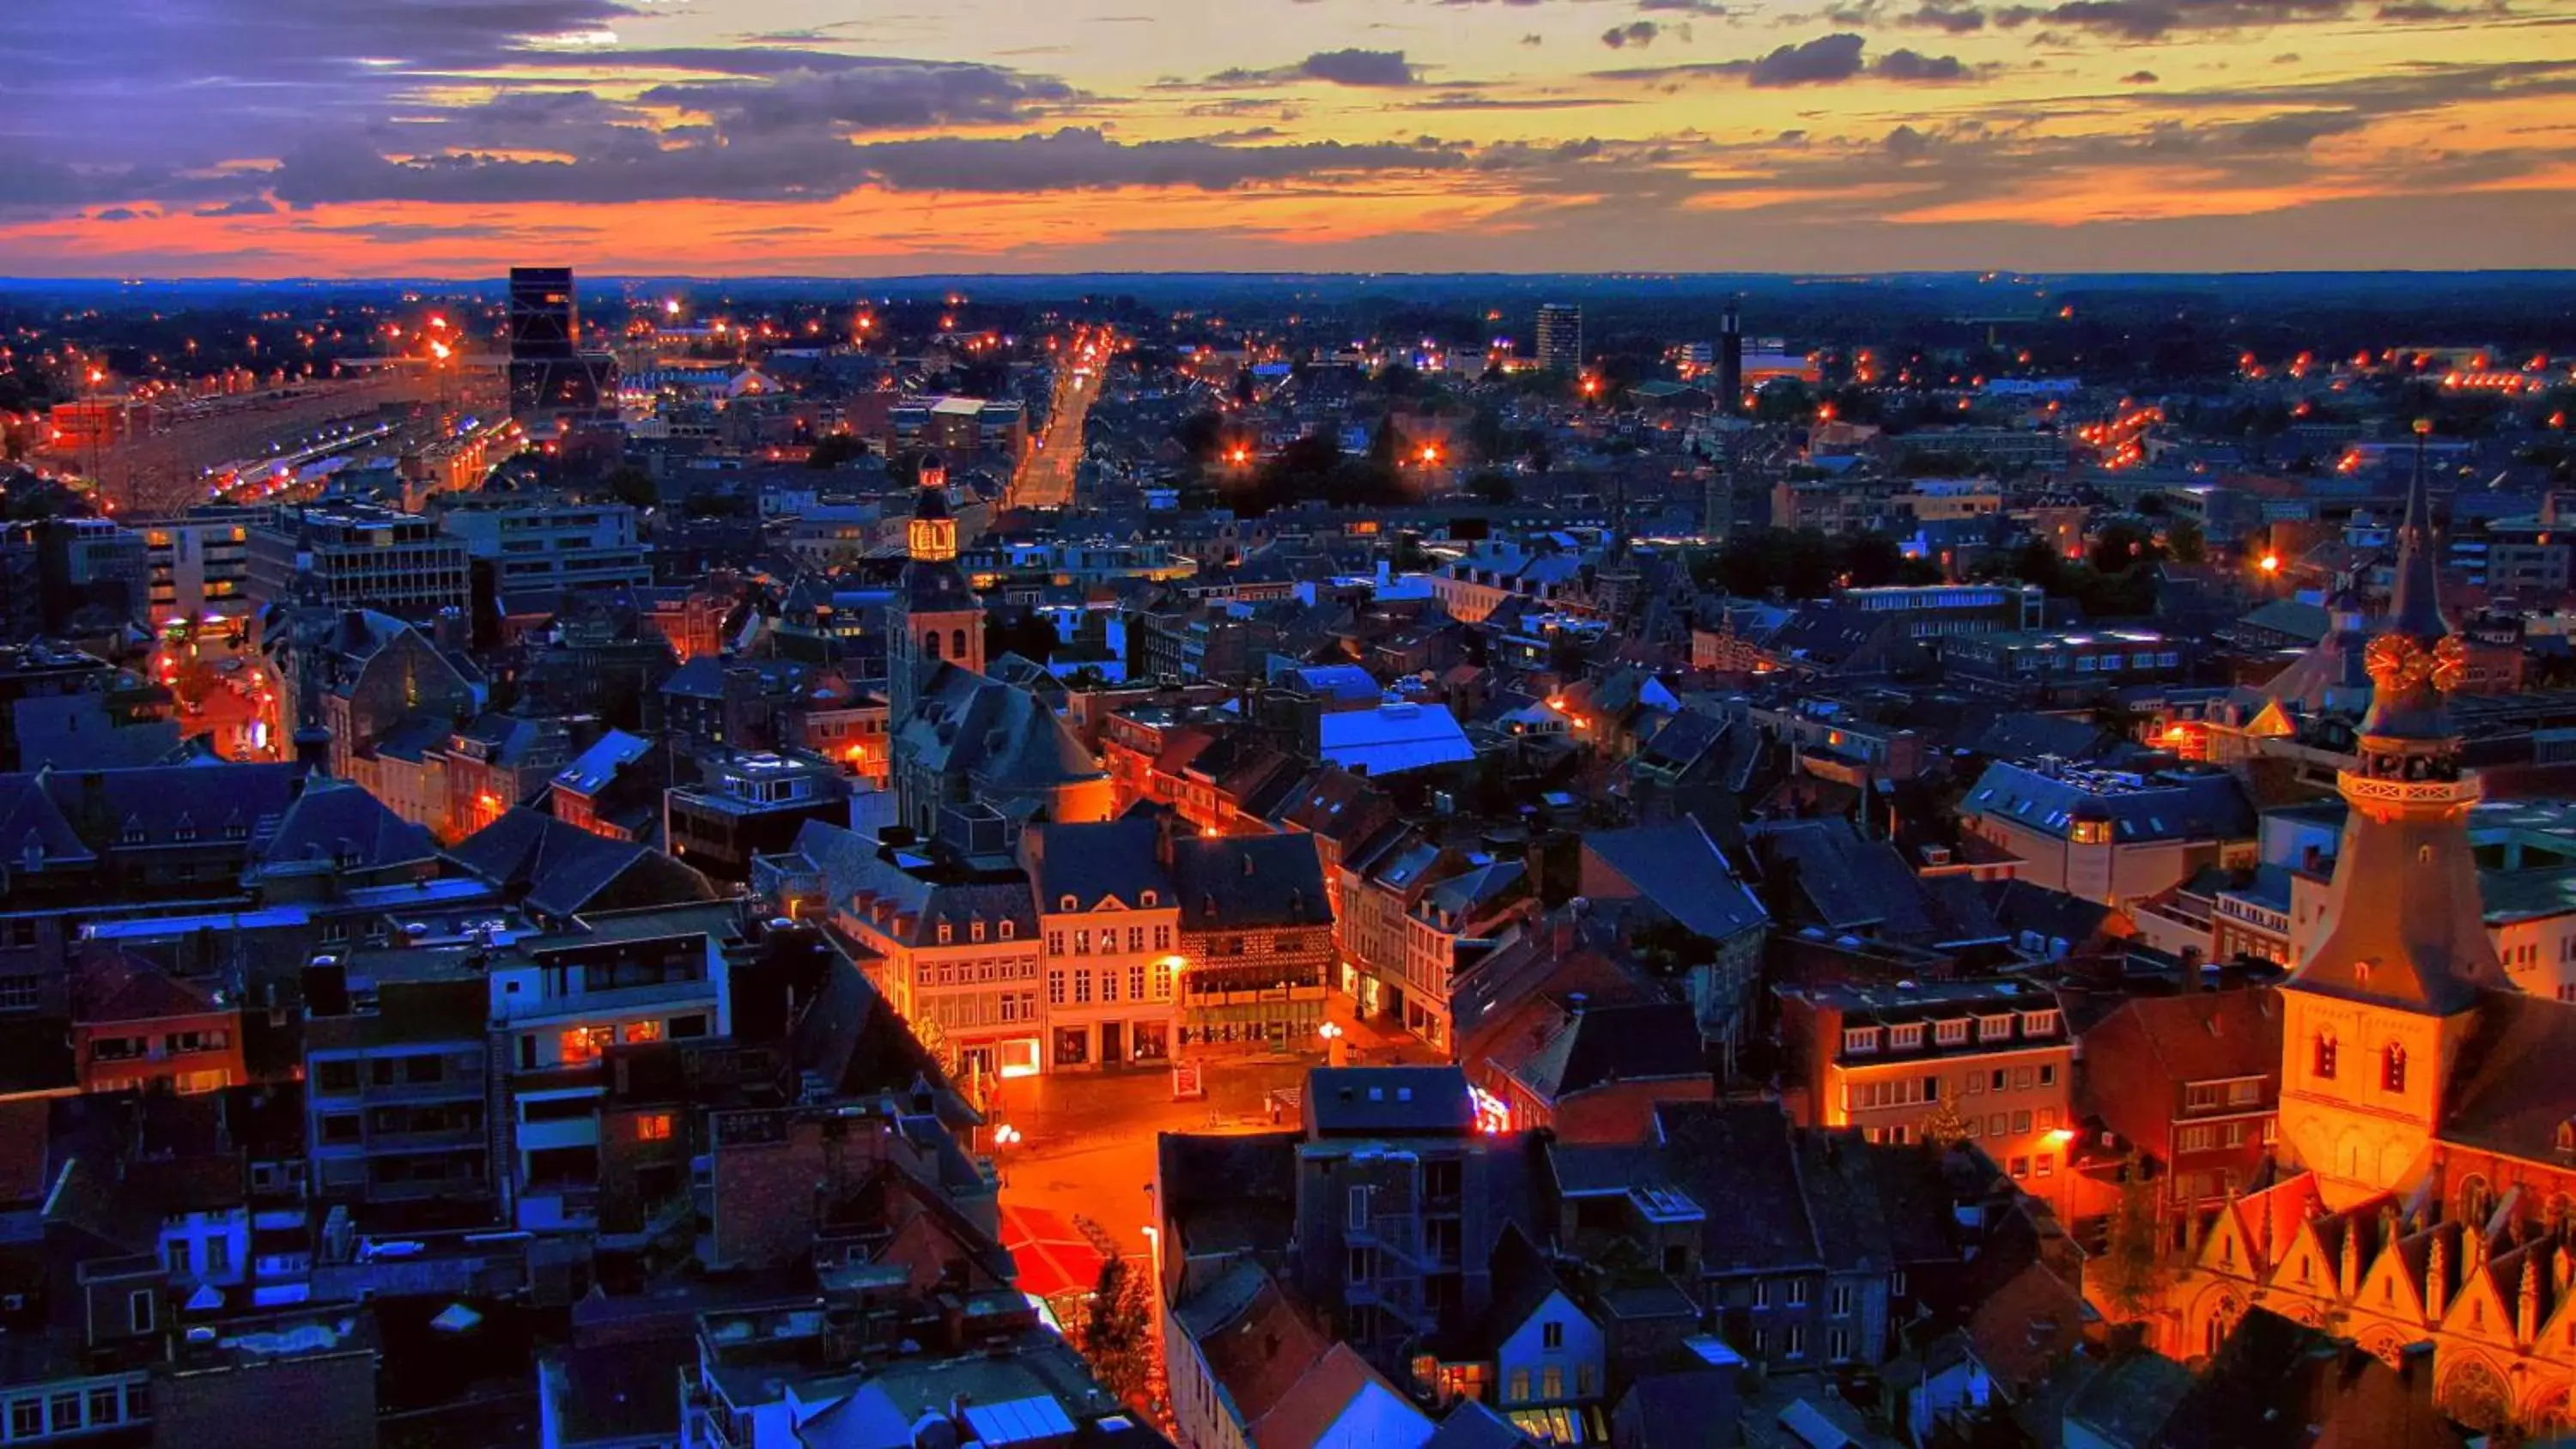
(936, 617)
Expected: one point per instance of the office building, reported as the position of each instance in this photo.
(1560, 336)
(353, 556)
(539, 545)
(550, 376)
(198, 564)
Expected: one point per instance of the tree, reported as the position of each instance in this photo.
(1116, 1332)
(835, 449)
(633, 487)
(1945, 1126)
(2124, 1281)
(1495, 488)
(2186, 542)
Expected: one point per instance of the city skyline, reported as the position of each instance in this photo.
(781, 137)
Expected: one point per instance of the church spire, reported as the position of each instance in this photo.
(2416, 660)
(2403, 924)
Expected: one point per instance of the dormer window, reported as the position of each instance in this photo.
(1147, 899)
(1068, 904)
(1994, 1028)
(946, 933)
(1860, 1040)
(132, 834)
(1010, 929)
(2039, 1023)
(1907, 1037)
(975, 929)
(1951, 1033)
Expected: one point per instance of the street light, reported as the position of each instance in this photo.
(1337, 1047)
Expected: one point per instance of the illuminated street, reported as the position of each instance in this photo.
(1048, 475)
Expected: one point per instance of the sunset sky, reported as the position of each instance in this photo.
(453, 137)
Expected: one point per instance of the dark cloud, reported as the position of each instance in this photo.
(1350, 67)
(1358, 68)
(774, 168)
(2155, 19)
(119, 213)
(1709, 8)
(1949, 18)
(1910, 65)
(1636, 32)
(869, 94)
(2139, 78)
(1823, 60)
(247, 206)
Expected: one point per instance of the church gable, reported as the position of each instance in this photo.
(2478, 1310)
(2228, 1250)
(2306, 1268)
(2392, 1286)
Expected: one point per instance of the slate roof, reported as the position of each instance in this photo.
(1603, 1046)
(1003, 738)
(1234, 881)
(852, 866)
(1388, 1101)
(1739, 1164)
(1257, 1345)
(592, 769)
(113, 985)
(331, 815)
(560, 869)
(2170, 805)
(1679, 868)
(1393, 738)
(1108, 860)
(2497, 1101)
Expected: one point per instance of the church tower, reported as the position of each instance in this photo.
(936, 616)
(2374, 1018)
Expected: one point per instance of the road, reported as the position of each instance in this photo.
(1047, 475)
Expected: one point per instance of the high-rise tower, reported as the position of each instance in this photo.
(1560, 337)
(1730, 360)
(2374, 1019)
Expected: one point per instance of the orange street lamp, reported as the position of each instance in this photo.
(2271, 563)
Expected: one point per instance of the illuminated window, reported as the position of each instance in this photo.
(653, 1127)
(643, 1031)
(2325, 1057)
(580, 1044)
(2392, 1068)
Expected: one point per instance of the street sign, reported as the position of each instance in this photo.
(1189, 1081)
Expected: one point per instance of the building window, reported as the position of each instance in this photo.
(2048, 1074)
(1520, 1386)
(139, 1308)
(1950, 1033)
(653, 1127)
(1163, 979)
(1842, 1300)
(1860, 1040)
(1162, 938)
(2392, 1068)
(1010, 930)
(1082, 943)
(1135, 983)
(1357, 1208)
(1551, 1383)
(1055, 988)
(26, 1418)
(2039, 1023)
(1907, 1037)
(1054, 942)
(1109, 983)
(103, 1405)
(947, 933)
(1082, 987)
(1761, 1293)
(1838, 1343)
(1793, 1343)
(1797, 1292)
(1551, 1335)
(2325, 1057)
